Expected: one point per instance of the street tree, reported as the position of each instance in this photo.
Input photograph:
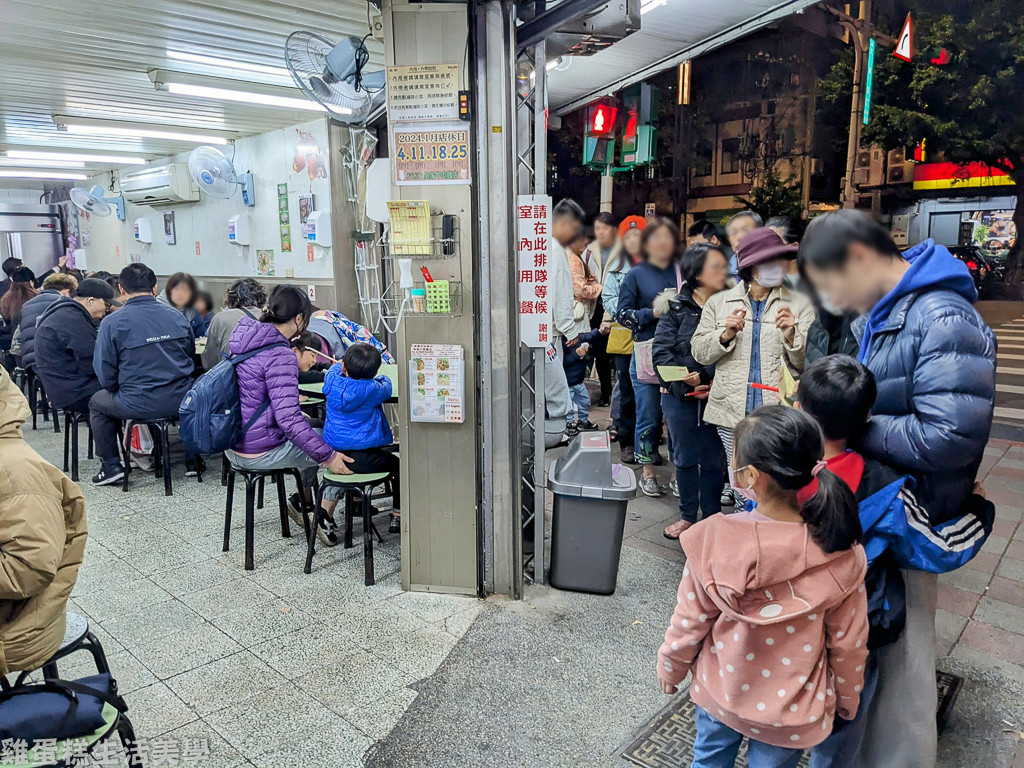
(967, 105)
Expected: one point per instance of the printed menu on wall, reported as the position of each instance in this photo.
(436, 383)
(423, 92)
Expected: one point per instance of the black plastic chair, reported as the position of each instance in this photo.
(71, 420)
(37, 396)
(253, 479)
(161, 449)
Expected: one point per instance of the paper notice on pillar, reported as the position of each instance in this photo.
(435, 154)
(423, 92)
(533, 238)
(436, 383)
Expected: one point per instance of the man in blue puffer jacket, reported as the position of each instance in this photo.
(355, 422)
(933, 358)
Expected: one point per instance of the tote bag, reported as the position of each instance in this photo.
(643, 351)
(620, 340)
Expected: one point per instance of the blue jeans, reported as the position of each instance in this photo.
(648, 416)
(840, 749)
(697, 453)
(581, 400)
(716, 746)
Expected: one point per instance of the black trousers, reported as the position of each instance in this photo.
(105, 413)
(625, 424)
(369, 460)
(698, 456)
(603, 365)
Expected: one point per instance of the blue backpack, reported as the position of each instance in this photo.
(210, 416)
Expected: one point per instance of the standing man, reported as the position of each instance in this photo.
(596, 258)
(65, 343)
(566, 223)
(934, 359)
(144, 363)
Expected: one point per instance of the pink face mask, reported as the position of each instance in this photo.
(747, 493)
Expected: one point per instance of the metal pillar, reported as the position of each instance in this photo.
(531, 162)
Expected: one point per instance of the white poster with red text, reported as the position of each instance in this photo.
(533, 238)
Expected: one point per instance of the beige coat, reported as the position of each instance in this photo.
(727, 403)
(42, 540)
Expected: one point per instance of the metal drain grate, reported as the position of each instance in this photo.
(667, 740)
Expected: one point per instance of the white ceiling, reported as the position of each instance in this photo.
(669, 34)
(89, 58)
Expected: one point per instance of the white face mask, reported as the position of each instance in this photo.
(828, 306)
(771, 275)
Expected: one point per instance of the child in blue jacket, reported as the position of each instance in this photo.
(355, 423)
(576, 363)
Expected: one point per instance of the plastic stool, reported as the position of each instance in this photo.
(253, 477)
(71, 420)
(349, 483)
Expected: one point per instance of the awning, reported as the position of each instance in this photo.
(669, 35)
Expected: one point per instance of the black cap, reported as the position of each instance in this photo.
(94, 288)
(23, 275)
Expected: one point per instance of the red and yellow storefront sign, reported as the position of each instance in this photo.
(954, 176)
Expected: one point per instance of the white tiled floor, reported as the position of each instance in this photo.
(275, 668)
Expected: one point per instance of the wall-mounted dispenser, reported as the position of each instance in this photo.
(318, 228)
(240, 229)
(143, 231)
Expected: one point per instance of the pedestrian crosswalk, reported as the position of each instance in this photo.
(1010, 372)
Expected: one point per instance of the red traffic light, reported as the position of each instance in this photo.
(941, 58)
(602, 119)
(972, 265)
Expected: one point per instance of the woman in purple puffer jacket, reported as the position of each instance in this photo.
(268, 384)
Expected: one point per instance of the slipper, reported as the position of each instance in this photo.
(676, 538)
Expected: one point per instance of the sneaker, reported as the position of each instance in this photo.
(728, 498)
(108, 476)
(604, 402)
(674, 487)
(295, 508)
(327, 532)
(195, 467)
(395, 523)
(626, 455)
(649, 487)
(586, 426)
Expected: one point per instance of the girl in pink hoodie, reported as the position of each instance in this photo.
(771, 615)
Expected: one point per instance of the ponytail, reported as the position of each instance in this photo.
(831, 513)
(787, 445)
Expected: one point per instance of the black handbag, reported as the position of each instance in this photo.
(57, 709)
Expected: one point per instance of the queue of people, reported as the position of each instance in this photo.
(848, 502)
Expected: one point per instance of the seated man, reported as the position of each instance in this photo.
(65, 340)
(54, 287)
(144, 364)
(42, 540)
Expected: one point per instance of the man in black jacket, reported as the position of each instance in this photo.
(65, 338)
(55, 286)
(144, 363)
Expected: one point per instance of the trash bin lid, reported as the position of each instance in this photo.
(586, 470)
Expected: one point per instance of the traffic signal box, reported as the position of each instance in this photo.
(639, 140)
(599, 136)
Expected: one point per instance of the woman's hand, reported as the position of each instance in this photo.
(657, 313)
(785, 321)
(339, 464)
(733, 324)
(702, 392)
(605, 328)
(668, 688)
(692, 380)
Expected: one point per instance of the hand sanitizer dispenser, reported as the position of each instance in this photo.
(239, 229)
(143, 231)
(318, 228)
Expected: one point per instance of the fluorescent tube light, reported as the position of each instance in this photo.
(245, 97)
(29, 163)
(650, 5)
(144, 133)
(18, 174)
(219, 63)
(83, 157)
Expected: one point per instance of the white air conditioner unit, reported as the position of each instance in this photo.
(159, 185)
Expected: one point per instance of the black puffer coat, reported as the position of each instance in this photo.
(679, 319)
(30, 313)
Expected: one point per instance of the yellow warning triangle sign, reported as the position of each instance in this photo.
(905, 43)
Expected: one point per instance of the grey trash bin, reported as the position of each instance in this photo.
(589, 514)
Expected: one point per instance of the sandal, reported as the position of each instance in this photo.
(686, 524)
